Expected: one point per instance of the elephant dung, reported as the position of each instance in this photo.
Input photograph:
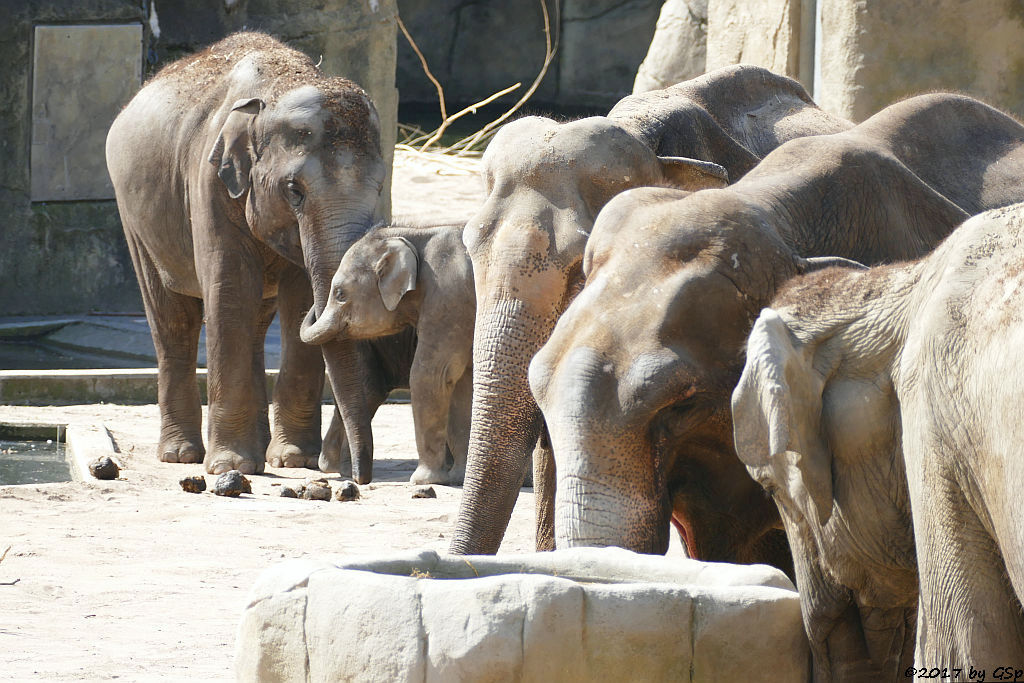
(232, 484)
(316, 489)
(196, 484)
(348, 490)
(289, 492)
(104, 468)
(425, 492)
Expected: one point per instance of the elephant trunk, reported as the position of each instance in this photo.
(317, 330)
(608, 492)
(322, 252)
(505, 423)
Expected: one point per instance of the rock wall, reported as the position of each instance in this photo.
(858, 56)
(571, 615)
(678, 50)
(875, 52)
(55, 257)
(765, 33)
(478, 48)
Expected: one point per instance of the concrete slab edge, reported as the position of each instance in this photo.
(86, 443)
(133, 386)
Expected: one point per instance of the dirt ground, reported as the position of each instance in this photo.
(135, 579)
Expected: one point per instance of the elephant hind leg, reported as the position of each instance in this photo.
(295, 440)
(174, 322)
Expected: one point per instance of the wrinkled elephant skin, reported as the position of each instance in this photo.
(399, 277)
(857, 384)
(636, 378)
(546, 182)
(242, 174)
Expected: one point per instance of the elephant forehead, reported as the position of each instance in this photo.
(302, 105)
(648, 377)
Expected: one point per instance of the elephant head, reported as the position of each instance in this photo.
(817, 424)
(545, 182)
(301, 154)
(371, 282)
(634, 382)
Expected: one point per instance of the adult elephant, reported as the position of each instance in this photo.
(242, 174)
(546, 182)
(858, 383)
(636, 379)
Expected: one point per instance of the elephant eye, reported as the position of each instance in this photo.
(339, 294)
(295, 196)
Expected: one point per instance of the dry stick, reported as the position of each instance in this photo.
(7, 583)
(423, 61)
(549, 54)
(471, 109)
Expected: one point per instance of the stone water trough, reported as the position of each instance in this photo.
(583, 614)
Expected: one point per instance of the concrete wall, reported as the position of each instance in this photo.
(54, 256)
(70, 256)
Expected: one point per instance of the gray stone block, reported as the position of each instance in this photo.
(82, 76)
(429, 617)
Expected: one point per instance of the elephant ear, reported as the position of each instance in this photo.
(396, 271)
(777, 409)
(232, 153)
(693, 174)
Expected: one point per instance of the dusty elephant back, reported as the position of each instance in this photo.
(733, 116)
(970, 152)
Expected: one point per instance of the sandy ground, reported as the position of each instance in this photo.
(136, 580)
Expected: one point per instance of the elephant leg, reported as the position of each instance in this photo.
(174, 322)
(366, 388)
(459, 414)
(295, 440)
(431, 386)
(334, 456)
(968, 612)
(544, 492)
(238, 429)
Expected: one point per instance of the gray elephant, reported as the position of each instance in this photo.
(397, 277)
(636, 378)
(858, 383)
(546, 182)
(242, 174)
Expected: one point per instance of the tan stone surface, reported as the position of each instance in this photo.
(678, 50)
(764, 33)
(875, 52)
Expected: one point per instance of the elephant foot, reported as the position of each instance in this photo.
(331, 459)
(225, 461)
(290, 455)
(429, 475)
(181, 451)
(456, 475)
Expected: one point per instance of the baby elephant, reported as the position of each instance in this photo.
(399, 276)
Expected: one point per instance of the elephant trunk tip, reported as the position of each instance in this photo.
(314, 330)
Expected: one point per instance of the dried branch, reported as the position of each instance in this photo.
(549, 55)
(423, 61)
(465, 145)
